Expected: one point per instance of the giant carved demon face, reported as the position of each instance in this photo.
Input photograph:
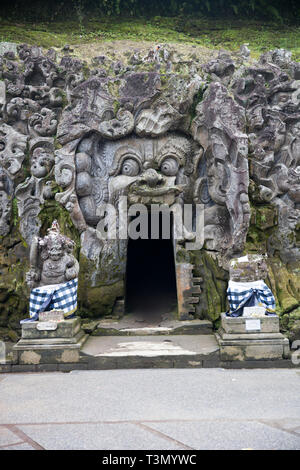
(146, 170)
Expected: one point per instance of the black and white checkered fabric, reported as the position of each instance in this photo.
(240, 297)
(60, 297)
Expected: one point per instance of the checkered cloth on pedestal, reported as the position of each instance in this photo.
(249, 294)
(58, 297)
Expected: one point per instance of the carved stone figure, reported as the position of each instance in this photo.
(32, 193)
(51, 259)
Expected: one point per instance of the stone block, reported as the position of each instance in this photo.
(251, 346)
(63, 329)
(55, 346)
(235, 325)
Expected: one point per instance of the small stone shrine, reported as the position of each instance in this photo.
(52, 333)
(250, 329)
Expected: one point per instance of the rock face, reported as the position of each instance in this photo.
(157, 129)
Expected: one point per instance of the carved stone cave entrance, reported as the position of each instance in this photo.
(150, 283)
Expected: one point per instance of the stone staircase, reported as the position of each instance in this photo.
(135, 343)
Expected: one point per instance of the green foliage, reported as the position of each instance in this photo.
(207, 32)
(41, 10)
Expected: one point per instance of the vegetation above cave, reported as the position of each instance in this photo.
(77, 22)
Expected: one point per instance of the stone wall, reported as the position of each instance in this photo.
(225, 134)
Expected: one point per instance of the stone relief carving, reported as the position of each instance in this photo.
(51, 259)
(12, 149)
(32, 193)
(212, 134)
(223, 179)
(271, 98)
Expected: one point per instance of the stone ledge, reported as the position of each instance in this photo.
(50, 353)
(58, 343)
(269, 324)
(177, 363)
(253, 349)
(128, 327)
(248, 336)
(65, 329)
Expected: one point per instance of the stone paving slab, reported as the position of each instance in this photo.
(154, 346)
(145, 394)
(151, 409)
(231, 435)
(7, 437)
(21, 446)
(100, 436)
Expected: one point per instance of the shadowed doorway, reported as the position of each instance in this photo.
(150, 276)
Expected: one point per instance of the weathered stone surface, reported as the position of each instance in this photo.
(61, 345)
(65, 329)
(236, 342)
(268, 324)
(158, 128)
(248, 268)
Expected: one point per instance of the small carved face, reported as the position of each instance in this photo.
(41, 162)
(56, 252)
(12, 148)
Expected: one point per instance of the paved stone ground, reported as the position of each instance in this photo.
(149, 409)
(150, 346)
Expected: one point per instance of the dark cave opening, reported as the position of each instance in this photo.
(150, 275)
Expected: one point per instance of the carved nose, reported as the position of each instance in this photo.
(151, 177)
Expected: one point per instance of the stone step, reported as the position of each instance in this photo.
(155, 351)
(129, 327)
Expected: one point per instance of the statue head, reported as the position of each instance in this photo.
(42, 162)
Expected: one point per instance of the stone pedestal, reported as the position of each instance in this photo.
(247, 338)
(45, 342)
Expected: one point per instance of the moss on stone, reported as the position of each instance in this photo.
(98, 301)
(213, 295)
(53, 210)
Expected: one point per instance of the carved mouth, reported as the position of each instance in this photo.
(152, 192)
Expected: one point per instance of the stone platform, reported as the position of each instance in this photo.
(172, 344)
(249, 338)
(50, 342)
(135, 325)
(113, 352)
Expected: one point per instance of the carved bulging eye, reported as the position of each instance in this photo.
(2, 145)
(130, 167)
(169, 167)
